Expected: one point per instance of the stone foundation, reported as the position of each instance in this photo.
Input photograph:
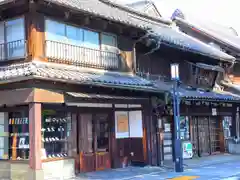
(60, 169)
(14, 170)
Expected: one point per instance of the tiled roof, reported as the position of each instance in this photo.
(72, 74)
(214, 31)
(102, 96)
(110, 10)
(181, 40)
(126, 15)
(195, 94)
(118, 13)
(211, 95)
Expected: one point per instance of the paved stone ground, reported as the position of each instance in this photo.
(217, 167)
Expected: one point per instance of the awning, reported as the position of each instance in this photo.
(173, 37)
(210, 67)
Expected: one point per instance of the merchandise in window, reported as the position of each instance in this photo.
(56, 128)
(18, 136)
(184, 128)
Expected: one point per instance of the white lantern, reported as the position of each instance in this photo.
(175, 71)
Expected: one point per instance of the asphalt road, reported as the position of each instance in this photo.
(227, 171)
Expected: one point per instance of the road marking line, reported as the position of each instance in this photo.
(184, 178)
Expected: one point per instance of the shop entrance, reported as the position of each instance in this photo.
(94, 141)
(205, 135)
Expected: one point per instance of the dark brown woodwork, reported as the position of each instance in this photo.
(87, 162)
(103, 161)
(221, 135)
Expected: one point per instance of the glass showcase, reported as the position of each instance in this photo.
(56, 127)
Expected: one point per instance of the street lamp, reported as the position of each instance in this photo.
(178, 155)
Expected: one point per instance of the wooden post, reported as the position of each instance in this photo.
(35, 33)
(35, 140)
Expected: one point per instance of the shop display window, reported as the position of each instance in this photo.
(56, 128)
(184, 128)
(18, 136)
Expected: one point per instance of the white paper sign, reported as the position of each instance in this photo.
(123, 134)
(135, 124)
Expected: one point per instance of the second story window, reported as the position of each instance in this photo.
(74, 45)
(12, 39)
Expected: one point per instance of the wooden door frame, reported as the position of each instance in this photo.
(105, 111)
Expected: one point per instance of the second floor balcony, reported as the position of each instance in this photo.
(81, 56)
(13, 50)
(64, 53)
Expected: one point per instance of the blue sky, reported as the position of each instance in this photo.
(224, 12)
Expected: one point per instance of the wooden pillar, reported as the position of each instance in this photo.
(35, 33)
(35, 118)
(115, 155)
(73, 139)
(147, 134)
(221, 133)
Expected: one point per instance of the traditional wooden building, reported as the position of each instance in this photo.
(207, 111)
(70, 96)
(203, 109)
(223, 38)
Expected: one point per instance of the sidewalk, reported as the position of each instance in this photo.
(205, 161)
(121, 173)
(138, 172)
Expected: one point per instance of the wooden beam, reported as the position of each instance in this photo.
(47, 96)
(16, 97)
(86, 20)
(67, 15)
(28, 95)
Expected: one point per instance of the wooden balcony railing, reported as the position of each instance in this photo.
(13, 50)
(81, 56)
